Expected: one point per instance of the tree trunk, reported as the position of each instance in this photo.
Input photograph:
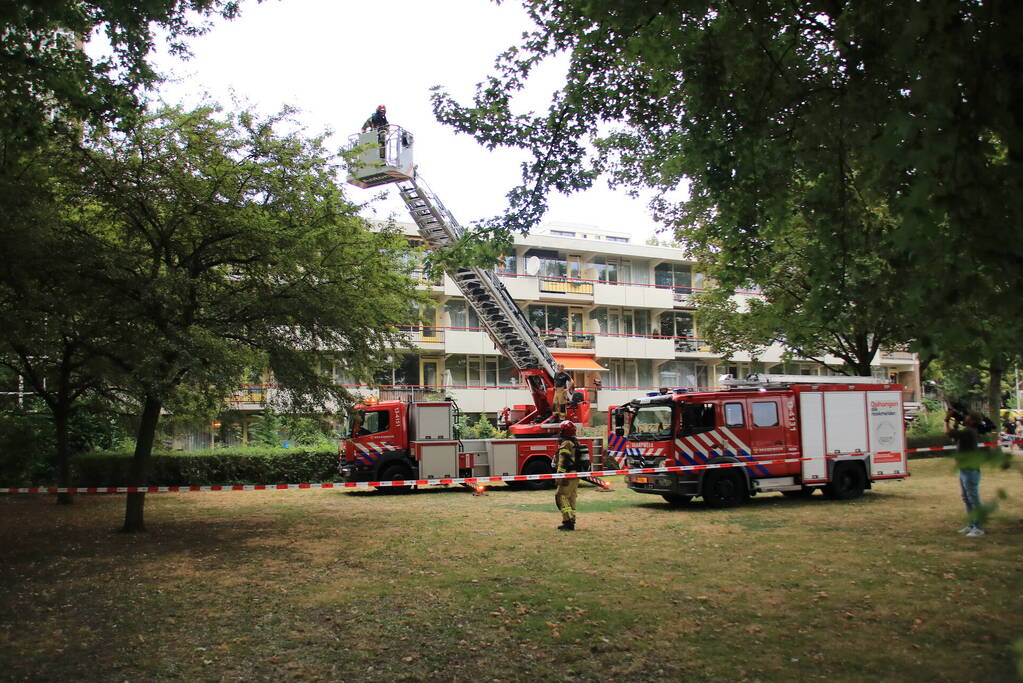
(60, 423)
(134, 520)
(996, 370)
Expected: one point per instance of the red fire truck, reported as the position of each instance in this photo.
(789, 433)
(385, 156)
(394, 440)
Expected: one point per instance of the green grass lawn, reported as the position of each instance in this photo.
(443, 585)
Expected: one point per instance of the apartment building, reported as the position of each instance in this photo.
(619, 315)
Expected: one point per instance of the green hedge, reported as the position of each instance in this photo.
(221, 466)
(927, 441)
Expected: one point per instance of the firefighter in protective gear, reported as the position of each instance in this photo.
(378, 121)
(563, 386)
(568, 460)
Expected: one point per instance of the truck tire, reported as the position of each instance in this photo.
(848, 481)
(537, 466)
(677, 499)
(394, 472)
(724, 489)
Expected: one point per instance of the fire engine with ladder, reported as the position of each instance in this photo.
(789, 433)
(398, 440)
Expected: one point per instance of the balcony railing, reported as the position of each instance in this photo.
(424, 334)
(556, 338)
(249, 393)
(897, 355)
(691, 345)
(564, 285)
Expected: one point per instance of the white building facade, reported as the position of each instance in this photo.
(620, 316)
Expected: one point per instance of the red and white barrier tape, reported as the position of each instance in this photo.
(428, 482)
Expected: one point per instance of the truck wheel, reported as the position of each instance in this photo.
(724, 489)
(394, 472)
(676, 499)
(538, 466)
(847, 481)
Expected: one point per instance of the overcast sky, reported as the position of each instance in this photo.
(336, 60)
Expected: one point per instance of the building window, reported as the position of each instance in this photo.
(402, 371)
(642, 318)
(679, 276)
(562, 233)
(548, 318)
(677, 373)
(677, 324)
(508, 265)
(622, 240)
(681, 373)
(461, 315)
(611, 270)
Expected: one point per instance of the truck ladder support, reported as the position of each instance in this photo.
(483, 290)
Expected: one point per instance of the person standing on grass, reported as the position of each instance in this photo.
(968, 460)
(568, 460)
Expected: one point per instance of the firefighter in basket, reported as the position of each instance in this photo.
(563, 386)
(568, 460)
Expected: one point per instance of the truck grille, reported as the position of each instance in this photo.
(645, 461)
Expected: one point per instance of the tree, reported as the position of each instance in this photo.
(52, 89)
(49, 325)
(50, 84)
(834, 150)
(218, 243)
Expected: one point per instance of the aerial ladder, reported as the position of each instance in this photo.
(384, 156)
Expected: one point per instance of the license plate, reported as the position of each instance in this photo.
(640, 480)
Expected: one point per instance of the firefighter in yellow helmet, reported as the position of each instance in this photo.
(569, 459)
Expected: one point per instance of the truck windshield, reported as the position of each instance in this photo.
(651, 423)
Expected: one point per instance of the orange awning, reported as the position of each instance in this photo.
(573, 362)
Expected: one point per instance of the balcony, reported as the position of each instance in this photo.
(632, 294)
(634, 346)
(248, 397)
(898, 356)
(563, 285)
(556, 339)
(682, 297)
(425, 336)
(688, 345)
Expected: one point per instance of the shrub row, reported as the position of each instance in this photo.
(221, 466)
(253, 465)
(927, 440)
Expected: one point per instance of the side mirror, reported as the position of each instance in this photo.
(619, 431)
(619, 421)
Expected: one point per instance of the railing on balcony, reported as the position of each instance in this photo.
(691, 345)
(556, 338)
(577, 285)
(564, 285)
(425, 334)
(426, 280)
(248, 393)
(897, 355)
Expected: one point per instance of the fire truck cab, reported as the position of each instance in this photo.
(793, 434)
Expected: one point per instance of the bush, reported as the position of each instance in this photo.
(927, 440)
(27, 448)
(481, 429)
(221, 466)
